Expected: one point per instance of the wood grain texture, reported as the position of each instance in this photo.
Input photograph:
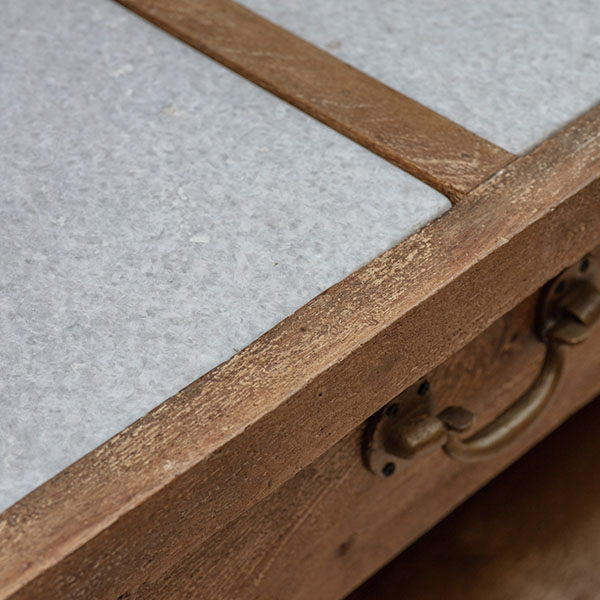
(334, 523)
(156, 491)
(161, 487)
(532, 534)
(411, 136)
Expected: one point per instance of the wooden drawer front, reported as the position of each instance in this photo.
(532, 533)
(335, 523)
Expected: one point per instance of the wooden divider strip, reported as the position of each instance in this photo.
(439, 152)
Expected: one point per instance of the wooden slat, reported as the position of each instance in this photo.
(532, 534)
(334, 523)
(427, 145)
(155, 492)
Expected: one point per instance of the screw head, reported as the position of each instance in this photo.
(389, 469)
(392, 410)
(584, 265)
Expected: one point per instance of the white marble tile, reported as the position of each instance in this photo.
(512, 71)
(157, 213)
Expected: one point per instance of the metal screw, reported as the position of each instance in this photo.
(392, 410)
(389, 469)
(584, 265)
(424, 388)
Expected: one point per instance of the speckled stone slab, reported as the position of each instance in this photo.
(157, 214)
(512, 71)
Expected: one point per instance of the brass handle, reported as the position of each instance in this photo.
(580, 310)
(515, 420)
(408, 427)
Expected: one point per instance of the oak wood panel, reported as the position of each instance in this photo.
(411, 136)
(334, 523)
(532, 534)
(156, 491)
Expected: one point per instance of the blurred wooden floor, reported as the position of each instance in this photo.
(532, 533)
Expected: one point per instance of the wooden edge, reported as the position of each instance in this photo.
(159, 488)
(439, 152)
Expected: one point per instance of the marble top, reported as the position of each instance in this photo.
(157, 214)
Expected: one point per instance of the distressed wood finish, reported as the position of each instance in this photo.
(334, 524)
(155, 492)
(532, 534)
(427, 145)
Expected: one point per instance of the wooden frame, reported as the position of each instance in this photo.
(156, 492)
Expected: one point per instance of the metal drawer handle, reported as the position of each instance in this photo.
(408, 428)
(581, 311)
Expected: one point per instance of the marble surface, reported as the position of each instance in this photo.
(157, 214)
(512, 71)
